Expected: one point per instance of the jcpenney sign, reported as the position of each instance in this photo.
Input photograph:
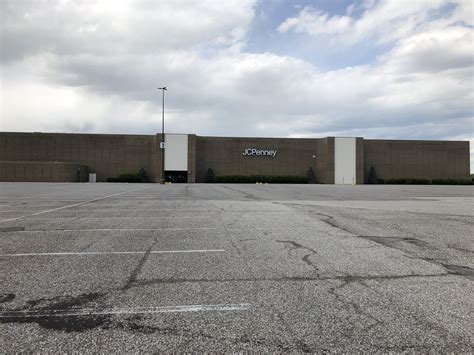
(264, 152)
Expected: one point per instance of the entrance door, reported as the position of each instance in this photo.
(176, 176)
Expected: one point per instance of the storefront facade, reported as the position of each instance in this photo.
(187, 158)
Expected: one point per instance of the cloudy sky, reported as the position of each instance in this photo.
(378, 69)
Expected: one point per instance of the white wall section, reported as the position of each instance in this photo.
(176, 152)
(345, 161)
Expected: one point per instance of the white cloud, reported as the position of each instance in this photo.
(315, 22)
(110, 27)
(381, 21)
(464, 12)
(435, 50)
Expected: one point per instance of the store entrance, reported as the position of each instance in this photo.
(176, 176)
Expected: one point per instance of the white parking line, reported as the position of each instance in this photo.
(75, 218)
(110, 229)
(113, 253)
(129, 310)
(31, 197)
(116, 210)
(75, 204)
(31, 206)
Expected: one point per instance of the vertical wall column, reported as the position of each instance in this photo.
(191, 158)
(156, 158)
(329, 160)
(360, 178)
(345, 161)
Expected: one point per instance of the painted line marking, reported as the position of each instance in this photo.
(76, 204)
(113, 253)
(76, 218)
(130, 310)
(112, 229)
(35, 197)
(32, 206)
(118, 210)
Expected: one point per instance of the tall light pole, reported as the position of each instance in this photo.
(162, 143)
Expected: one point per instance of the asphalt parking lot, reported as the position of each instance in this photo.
(198, 267)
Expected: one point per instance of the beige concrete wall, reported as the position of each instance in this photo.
(394, 159)
(43, 171)
(107, 155)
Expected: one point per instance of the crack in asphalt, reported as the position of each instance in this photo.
(155, 281)
(464, 250)
(293, 246)
(229, 236)
(244, 339)
(12, 229)
(138, 269)
(330, 220)
(389, 241)
(133, 326)
(87, 246)
(301, 345)
(458, 270)
(296, 345)
(353, 305)
(246, 194)
(6, 297)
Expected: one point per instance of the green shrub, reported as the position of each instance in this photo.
(452, 182)
(139, 177)
(271, 179)
(415, 181)
(210, 176)
(418, 181)
(372, 178)
(311, 177)
(143, 176)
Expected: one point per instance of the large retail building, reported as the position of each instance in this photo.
(334, 160)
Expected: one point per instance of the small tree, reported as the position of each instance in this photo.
(209, 177)
(143, 177)
(311, 176)
(372, 178)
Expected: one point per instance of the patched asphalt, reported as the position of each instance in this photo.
(232, 267)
